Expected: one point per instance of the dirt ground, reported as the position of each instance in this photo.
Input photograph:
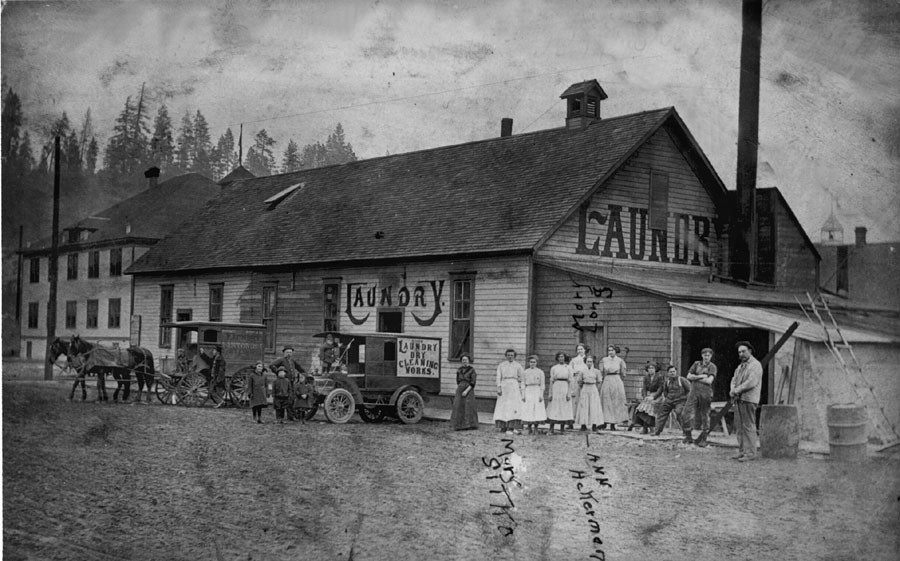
(139, 482)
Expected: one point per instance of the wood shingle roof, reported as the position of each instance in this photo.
(500, 195)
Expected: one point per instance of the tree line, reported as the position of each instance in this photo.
(138, 141)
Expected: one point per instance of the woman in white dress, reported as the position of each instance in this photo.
(589, 413)
(559, 401)
(612, 390)
(576, 365)
(533, 411)
(507, 410)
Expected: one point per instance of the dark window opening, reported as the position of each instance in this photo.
(166, 306)
(114, 314)
(71, 314)
(94, 265)
(462, 318)
(93, 311)
(390, 350)
(115, 262)
(216, 297)
(330, 313)
(269, 308)
(390, 321)
(33, 312)
(34, 275)
(72, 266)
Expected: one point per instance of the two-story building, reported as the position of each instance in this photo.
(94, 297)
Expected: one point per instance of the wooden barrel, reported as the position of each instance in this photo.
(847, 432)
(779, 431)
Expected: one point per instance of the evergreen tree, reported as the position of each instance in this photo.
(25, 157)
(90, 158)
(313, 156)
(72, 152)
(260, 159)
(337, 150)
(62, 129)
(291, 160)
(225, 158)
(126, 150)
(11, 127)
(202, 154)
(185, 146)
(162, 144)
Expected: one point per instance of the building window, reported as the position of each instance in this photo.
(33, 311)
(115, 313)
(166, 305)
(73, 236)
(93, 310)
(115, 262)
(71, 314)
(461, 319)
(34, 275)
(94, 265)
(269, 308)
(72, 266)
(390, 321)
(659, 201)
(332, 294)
(216, 295)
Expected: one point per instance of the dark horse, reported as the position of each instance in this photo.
(61, 347)
(95, 359)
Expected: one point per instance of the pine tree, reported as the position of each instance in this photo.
(260, 159)
(337, 150)
(84, 139)
(11, 127)
(72, 152)
(126, 150)
(162, 143)
(291, 160)
(90, 158)
(202, 147)
(185, 146)
(313, 156)
(224, 157)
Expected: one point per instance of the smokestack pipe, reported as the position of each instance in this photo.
(152, 176)
(506, 126)
(744, 255)
(860, 236)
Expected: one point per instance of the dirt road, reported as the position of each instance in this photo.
(139, 482)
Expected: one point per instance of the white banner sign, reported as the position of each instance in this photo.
(419, 358)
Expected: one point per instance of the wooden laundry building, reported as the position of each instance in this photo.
(600, 231)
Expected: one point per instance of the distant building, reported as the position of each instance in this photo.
(94, 297)
(864, 272)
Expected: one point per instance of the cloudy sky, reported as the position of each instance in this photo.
(408, 75)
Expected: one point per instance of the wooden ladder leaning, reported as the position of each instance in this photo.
(836, 342)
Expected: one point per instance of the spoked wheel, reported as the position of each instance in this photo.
(238, 389)
(193, 390)
(167, 390)
(410, 407)
(339, 405)
(311, 412)
(373, 414)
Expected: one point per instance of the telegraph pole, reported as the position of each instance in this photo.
(53, 271)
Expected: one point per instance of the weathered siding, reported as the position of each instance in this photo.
(629, 190)
(628, 318)
(796, 263)
(500, 306)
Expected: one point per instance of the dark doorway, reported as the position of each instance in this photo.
(722, 341)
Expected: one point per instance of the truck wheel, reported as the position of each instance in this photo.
(339, 405)
(410, 407)
(374, 414)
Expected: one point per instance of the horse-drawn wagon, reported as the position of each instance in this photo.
(187, 380)
(378, 375)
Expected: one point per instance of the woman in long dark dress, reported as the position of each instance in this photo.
(464, 415)
(256, 391)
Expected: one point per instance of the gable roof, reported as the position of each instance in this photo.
(493, 196)
(793, 219)
(240, 172)
(147, 216)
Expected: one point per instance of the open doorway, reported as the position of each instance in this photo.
(722, 341)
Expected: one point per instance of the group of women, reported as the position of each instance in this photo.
(583, 393)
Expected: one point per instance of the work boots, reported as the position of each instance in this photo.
(701, 440)
(687, 437)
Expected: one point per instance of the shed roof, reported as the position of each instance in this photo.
(493, 196)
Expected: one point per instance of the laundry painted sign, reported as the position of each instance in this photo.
(625, 233)
(422, 298)
(418, 357)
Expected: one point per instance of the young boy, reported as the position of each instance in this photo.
(281, 394)
(304, 400)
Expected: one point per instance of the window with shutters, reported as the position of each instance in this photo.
(93, 311)
(462, 316)
(216, 296)
(330, 313)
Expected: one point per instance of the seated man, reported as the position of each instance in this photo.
(674, 391)
(329, 353)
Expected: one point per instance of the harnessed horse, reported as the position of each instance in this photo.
(90, 358)
(61, 347)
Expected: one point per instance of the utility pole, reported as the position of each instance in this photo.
(52, 274)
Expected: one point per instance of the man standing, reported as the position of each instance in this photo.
(696, 411)
(745, 391)
(292, 368)
(220, 384)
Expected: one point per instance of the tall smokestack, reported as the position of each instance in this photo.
(743, 234)
(860, 232)
(152, 176)
(506, 126)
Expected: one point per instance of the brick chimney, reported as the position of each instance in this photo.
(152, 176)
(860, 235)
(506, 126)
(583, 103)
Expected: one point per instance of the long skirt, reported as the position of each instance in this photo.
(560, 407)
(533, 408)
(612, 399)
(464, 416)
(509, 405)
(589, 411)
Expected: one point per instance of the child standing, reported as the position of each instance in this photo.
(256, 391)
(533, 411)
(281, 392)
(304, 400)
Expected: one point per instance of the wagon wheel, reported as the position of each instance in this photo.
(339, 405)
(311, 412)
(238, 390)
(373, 414)
(410, 407)
(167, 390)
(193, 390)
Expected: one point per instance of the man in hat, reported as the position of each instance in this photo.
(218, 380)
(291, 366)
(329, 353)
(746, 386)
(696, 411)
(281, 395)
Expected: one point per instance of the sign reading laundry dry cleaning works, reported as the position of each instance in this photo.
(418, 357)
